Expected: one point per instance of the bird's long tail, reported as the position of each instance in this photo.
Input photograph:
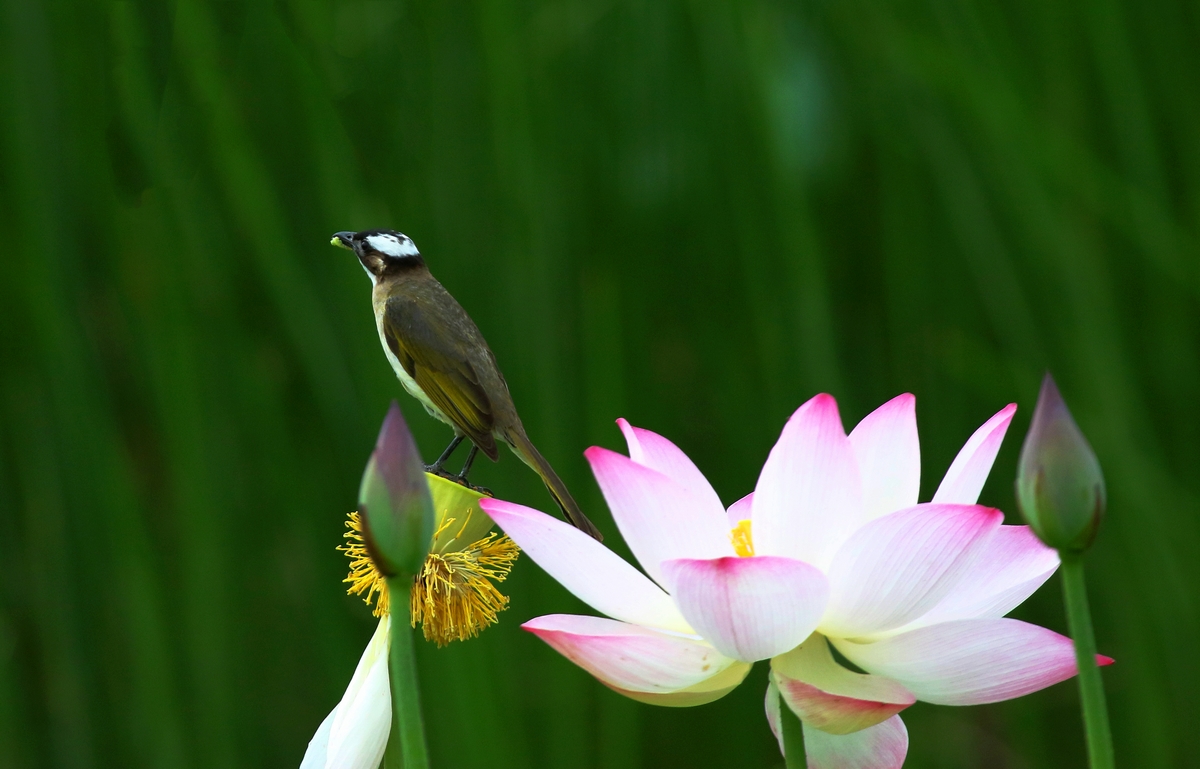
(524, 449)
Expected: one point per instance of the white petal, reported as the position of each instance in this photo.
(889, 457)
(969, 470)
(363, 719)
(969, 662)
(1007, 568)
(318, 746)
(629, 658)
(808, 498)
(659, 519)
(882, 746)
(593, 573)
(898, 567)
(749, 608)
(825, 695)
(658, 453)
(740, 511)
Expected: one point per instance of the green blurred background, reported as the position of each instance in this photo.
(691, 213)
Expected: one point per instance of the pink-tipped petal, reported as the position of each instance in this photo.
(889, 457)
(658, 453)
(831, 698)
(659, 519)
(627, 657)
(898, 567)
(748, 608)
(969, 470)
(809, 497)
(969, 662)
(882, 746)
(1007, 568)
(708, 690)
(593, 573)
(740, 511)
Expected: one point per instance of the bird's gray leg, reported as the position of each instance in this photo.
(462, 477)
(436, 467)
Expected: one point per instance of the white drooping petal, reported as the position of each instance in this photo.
(969, 470)
(748, 608)
(898, 567)
(882, 746)
(596, 575)
(969, 662)
(1006, 569)
(659, 519)
(355, 734)
(889, 457)
(825, 695)
(809, 497)
(656, 452)
(629, 658)
(318, 746)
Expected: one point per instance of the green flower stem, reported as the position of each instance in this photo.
(406, 745)
(793, 737)
(1091, 688)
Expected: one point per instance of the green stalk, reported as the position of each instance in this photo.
(793, 737)
(1091, 688)
(406, 744)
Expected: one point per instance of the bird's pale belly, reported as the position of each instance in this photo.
(410, 384)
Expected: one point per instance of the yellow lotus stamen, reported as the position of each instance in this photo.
(363, 576)
(453, 597)
(743, 543)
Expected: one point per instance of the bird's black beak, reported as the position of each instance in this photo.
(343, 240)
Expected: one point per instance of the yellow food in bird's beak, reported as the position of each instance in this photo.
(336, 241)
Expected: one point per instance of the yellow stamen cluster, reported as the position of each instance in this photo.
(363, 576)
(453, 597)
(743, 543)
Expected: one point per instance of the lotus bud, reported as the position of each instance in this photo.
(1060, 489)
(394, 501)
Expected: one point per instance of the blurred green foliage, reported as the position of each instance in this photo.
(694, 214)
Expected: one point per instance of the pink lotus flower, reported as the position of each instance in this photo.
(832, 548)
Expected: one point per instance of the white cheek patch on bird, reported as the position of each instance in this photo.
(393, 245)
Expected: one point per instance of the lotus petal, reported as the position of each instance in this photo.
(593, 573)
(898, 567)
(808, 499)
(748, 608)
(970, 662)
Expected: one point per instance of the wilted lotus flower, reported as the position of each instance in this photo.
(452, 570)
(1060, 488)
(832, 548)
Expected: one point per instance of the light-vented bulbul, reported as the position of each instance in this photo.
(443, 361)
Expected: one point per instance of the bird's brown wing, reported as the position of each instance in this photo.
(431, 349)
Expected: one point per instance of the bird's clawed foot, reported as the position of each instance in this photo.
(437, 467)
(441, 472)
